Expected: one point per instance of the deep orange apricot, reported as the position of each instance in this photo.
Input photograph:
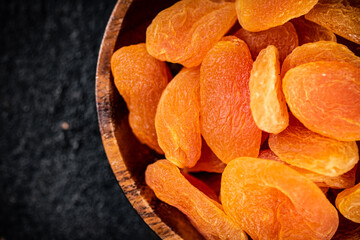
(177, 119)
(186, 31)
(338, 16)
(325, 97)
(225, 117)
(269, 200)
(345, 180)
(170, 186)
(300, 147)
(259, 15)
(348, 203)
(141, 86)
(283, 37)
(319, 51)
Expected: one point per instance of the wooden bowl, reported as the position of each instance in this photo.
(127, 156)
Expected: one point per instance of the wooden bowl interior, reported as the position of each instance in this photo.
(127, 156)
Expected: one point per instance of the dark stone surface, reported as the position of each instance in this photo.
(55, 181)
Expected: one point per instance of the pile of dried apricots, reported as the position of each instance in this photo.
(273, 106)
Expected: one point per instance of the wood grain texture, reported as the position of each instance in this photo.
(127, 156)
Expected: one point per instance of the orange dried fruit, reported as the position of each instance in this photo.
(141, 86)
(177, 119)
(259, 15)
(170, 186)
(267, 102)
(225, 117)
(300, 147)
(185, 32)
(283, 37)
(348, 203)
(308, 31)
(325, 97)
(319, 51)
(338, 16)
(208, 161)
(345, 180)
(269, 200)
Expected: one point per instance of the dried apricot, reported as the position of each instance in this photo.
(269, 200)
(348, 203)
(170, 186)
(308, 31)
(305, 149)
(259, 15)
(345, 180)
(283, 37)
(208, 161)
(267, 102)
(338, 16)
(225, 117)
(325, 97)
(141, 86)
(319, 51)
(177, 119)
(186, 31)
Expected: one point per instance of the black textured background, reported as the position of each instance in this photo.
(55, 181)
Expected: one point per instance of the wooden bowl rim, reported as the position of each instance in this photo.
(104, 101)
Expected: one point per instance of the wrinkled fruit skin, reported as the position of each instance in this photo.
(177, 119)
(267, 102)
(208, 161)
(308, 31)
(141, 86)
(319, 51)
(348, 203)
(269, 200)
(302, 148)
(283, 37)
(259, 15)
(345, 180)
(225, 118)
(341, 18)
(186, 31)
(170, 186)
(325, 97)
